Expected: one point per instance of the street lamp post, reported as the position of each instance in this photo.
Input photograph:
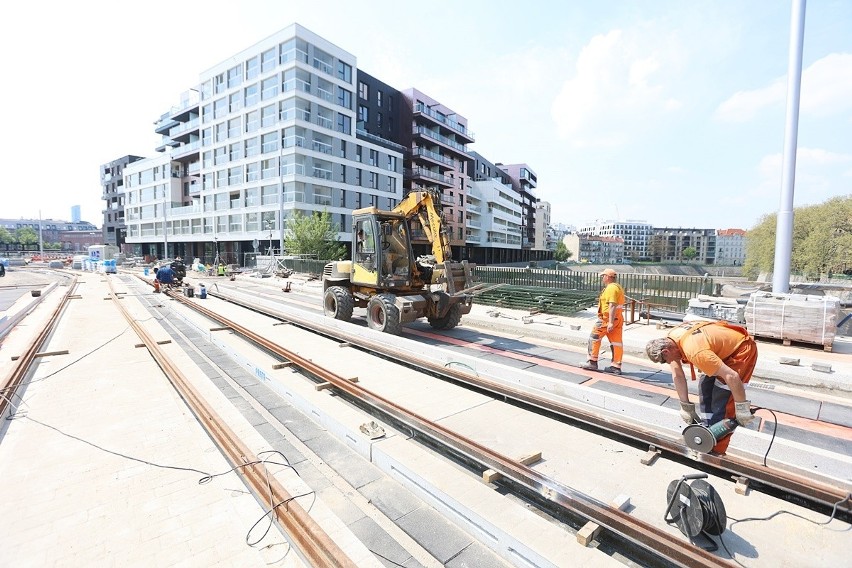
(269, 228)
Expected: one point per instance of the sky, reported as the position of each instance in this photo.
(667, 112)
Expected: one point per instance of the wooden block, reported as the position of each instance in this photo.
(49, 353)
(650, 456)
(352, 379)
(741, 488)
(164, 342)
(282, 365)
(322, 386)
(281, 323)
(344, 344)
(588, 533)
(139, 345)
(224, 328)
(489, 475)
(622, 502)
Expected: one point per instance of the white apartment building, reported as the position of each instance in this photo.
(494, 214)
(730, 247)
(269, 133)
(545, 236)
(635, 234)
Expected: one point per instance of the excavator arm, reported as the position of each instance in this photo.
(425, 205)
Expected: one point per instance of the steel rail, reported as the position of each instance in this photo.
(786, 481)
(13, 381)
(315, 545)
(650, 538)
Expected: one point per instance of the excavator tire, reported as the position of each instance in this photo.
(338, 303)
(450, 320)
(383, 315)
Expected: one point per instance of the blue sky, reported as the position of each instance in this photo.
(668, 112)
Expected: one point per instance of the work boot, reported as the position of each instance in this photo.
(590, 365)
(613, 370)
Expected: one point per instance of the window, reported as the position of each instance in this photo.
(268, 60)
(250, 95)
(253, 171)
(374, 157)
(235, 126)
(269, 142)
(392, 163)
(363, 114)
(344, 98)
(374, 180)
(344, 124)
(235, 175)
(268, 116)
(252, 121)
(269, 88)
(252, 147)
(358, 176)
(344, 71)
(379, 119)
(235, 76)
(220, 108)
(235, 101)
(252, 68)
(379, 97)
(363, 90)
(219, 83)
(235, 151)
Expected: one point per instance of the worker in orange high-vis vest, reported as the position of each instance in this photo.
(726, 355)
(610, 324)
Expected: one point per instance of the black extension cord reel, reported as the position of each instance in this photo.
(696, 509)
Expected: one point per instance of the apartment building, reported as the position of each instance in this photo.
(545, 236)
(268, 134)
(524, 181)
(71, 235)
(635, 234)
(112, 184)
(730, 247)
(594, 249)
(667, 244)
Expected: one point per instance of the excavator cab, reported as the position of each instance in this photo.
(381, 250)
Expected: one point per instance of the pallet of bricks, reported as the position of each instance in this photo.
(793, 317)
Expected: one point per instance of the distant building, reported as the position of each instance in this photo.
(545, 236)
(730, 247)
(67, 233)
(668, 245)
(594, 249)
(75, 214)
(635, 234)
(112, 188)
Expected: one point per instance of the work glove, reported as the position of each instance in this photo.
(688, 414)
(744, 415)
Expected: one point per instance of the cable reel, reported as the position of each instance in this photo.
(696, 509)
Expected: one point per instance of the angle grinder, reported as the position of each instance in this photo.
(702, 438)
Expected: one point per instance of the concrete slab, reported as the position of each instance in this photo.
(559, 374)
(354, 469)
(436, 534)
(380, 543)
(390, 498)
(836, 414)
(634, 393)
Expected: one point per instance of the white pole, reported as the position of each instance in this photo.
(784, 227)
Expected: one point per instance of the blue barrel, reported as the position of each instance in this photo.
(146, 271)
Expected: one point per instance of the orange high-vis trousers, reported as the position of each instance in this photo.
(614, 337)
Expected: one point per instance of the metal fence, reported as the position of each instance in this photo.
(651, 291)
(303, 265)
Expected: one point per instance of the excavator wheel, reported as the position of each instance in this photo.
(383, 315)
(450, 320)
(338, 303)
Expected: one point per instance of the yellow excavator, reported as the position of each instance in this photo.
(384, 276)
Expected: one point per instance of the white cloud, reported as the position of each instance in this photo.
(619, 77)
(826, 90)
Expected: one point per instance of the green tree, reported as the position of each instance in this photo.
(822, 240)
(313, 234)
(26, 236)
(561, 252)
(689, 253)
(6, 237)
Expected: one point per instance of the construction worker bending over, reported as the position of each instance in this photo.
(165, 275)
(610, 324)
(726, 355)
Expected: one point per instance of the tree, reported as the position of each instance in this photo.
(689, 253)
(313, 234)
(26, 236)
(561, 252)
(6, 237)
(822, 240)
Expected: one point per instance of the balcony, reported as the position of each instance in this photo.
(164, 125)
(183, 127)
(434, 157)
(186, 149)
(422, 173)
(443, 120)
(432, 135)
